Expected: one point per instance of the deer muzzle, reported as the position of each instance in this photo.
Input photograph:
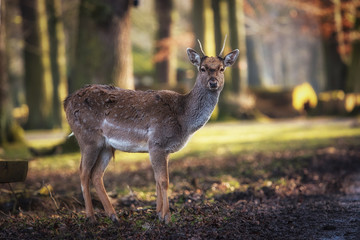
(213, 83)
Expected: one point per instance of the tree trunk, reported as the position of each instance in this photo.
(38, 79)
(123, 69)
(94, 58)
(340, 35)
(198, 19)
(217, 25)
(335, 68)
(353, 78)
(203, 18)
(58, 60)
(209, 35)
(255, 62)
(165, 57)
(238, 40)
(9, 130)
(103, 52)
(4, 86)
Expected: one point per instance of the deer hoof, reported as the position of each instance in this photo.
(91, 219)
(166, 218)
(115, 219)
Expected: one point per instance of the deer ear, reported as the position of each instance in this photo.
(231, 58)
(194, 57)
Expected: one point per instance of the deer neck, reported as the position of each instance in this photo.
(199, 105)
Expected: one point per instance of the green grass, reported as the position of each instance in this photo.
(44, 138)
(62, 162)
(243, 137)
(15, 151)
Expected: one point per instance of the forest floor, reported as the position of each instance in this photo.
(304, 186)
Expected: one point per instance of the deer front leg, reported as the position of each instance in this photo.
(159, 161)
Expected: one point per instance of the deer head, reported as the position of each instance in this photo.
(211, 69)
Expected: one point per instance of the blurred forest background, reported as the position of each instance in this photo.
(297, 57)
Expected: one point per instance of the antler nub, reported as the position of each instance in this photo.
(201, 47)
(221, 52)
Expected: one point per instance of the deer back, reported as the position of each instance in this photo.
(114, 113)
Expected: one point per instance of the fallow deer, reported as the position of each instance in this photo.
(105, 118)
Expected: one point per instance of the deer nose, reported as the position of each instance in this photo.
(213, 83)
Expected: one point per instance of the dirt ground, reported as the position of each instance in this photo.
(312, 194)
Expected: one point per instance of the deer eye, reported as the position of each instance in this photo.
(203, 69)
(222, 69)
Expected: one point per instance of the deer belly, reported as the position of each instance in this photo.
(127, 145)
(125, 138)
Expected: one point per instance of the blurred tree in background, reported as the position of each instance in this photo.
(4, 87)
(7, 131)
(238, 40)
(103, 47)
(58, 60)
(38, 77)
(54, 47)
(353, 80)
(165, 56)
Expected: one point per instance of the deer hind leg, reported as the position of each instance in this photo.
(159, 161)
(97, 178)
(89, 156)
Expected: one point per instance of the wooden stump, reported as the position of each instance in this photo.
(13, 171)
